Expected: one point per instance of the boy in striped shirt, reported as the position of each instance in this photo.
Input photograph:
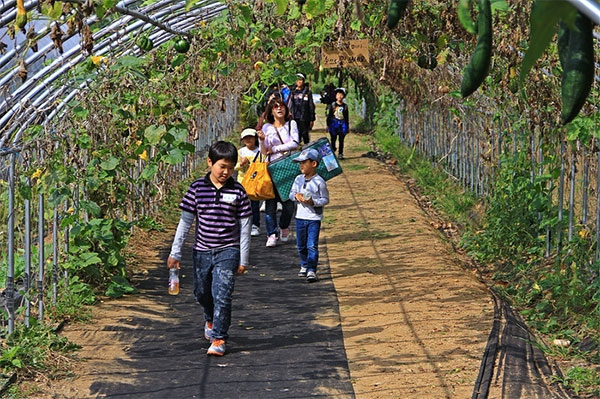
(222, 212)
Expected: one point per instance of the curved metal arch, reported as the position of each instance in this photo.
(38, 101)
(38, 109)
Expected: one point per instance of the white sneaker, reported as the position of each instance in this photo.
(255, 231)
(262, 206)
(279, 206)
(311, 277)
(302, 272)
(285, 235)
(272, 240)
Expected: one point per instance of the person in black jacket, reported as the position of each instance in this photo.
(337, 120)
(302, 107)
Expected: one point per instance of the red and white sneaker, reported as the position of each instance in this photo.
(217, 348)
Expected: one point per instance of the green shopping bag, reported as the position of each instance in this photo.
(284, 171)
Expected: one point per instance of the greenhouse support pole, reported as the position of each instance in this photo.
(54, 255)
(66, 233)
(478, 189)
(27, 244)
(572, 196)
(10, 274)
(40, 281)
(561, 193)
(586, 167)
(533, 157)
(589, 7)
(598, 207)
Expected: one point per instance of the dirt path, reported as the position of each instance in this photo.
(414, 322)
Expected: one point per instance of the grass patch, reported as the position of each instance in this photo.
(443, 191)
(582, 381)
(350, 167)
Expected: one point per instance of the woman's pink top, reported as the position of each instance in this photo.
(273, 143)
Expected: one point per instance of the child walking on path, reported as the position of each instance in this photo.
(337, 120)
(311, 194)
(246, 155)
(222, 212)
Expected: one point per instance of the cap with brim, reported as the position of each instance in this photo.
(310, 153)
(248, 132)
(301, 76)
(341, 90)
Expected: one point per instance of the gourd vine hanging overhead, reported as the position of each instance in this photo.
(463, 9)
(396, 10)
(578, 66)
(479, 65)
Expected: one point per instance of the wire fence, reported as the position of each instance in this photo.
(471, 147)
(39, 224)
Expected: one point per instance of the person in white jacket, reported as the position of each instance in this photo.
(311, 194)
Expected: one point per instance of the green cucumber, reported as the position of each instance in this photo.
(396, 10)
(578, 68)
(479, 65)
(563, 42)
(463, 9)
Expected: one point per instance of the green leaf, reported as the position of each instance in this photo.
(149, 171)
(129, 61)
(281, 6)
(499, 5)
(303, 36)
(246, 13)
(189, 4)
(545, 15)
(91, 207)
(118, 287)
(154, 133)
(187, 147)
(355, 25)
(56, 11)
(108, 4)
(90, 258)
(110, 164)
(100, 11)
(177, 60)
(314, 8)
(174, 156)
(179, 134)
(276, 34)
(80, 112)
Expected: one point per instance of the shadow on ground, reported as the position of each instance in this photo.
(285, 337)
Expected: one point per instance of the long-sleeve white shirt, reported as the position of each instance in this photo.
(317, 187)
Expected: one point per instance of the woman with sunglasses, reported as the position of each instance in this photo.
(277, 137)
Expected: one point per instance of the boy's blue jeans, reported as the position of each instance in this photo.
(214, 279)
(307, 241)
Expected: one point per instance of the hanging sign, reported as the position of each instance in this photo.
(353, 53)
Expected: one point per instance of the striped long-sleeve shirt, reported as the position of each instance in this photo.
(218, 212)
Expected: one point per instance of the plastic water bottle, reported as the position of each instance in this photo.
(174, 281)
(307, 196)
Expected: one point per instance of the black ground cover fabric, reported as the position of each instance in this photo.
(285, 337)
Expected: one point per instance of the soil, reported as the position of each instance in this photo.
(415, 319)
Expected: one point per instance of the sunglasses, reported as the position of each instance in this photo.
(278, 106)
